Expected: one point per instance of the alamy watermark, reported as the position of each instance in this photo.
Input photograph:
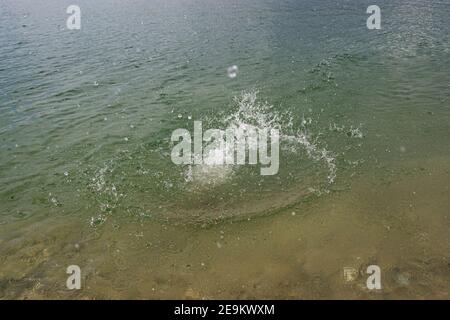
(74, 280)
(74, 23)
(74, 20)
(373, 281)
(374, 20)
(239, 145)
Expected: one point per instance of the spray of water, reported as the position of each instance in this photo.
(251, 113)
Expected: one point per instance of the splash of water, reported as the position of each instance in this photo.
(250, 111)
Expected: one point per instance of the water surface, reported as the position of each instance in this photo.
(86, 176)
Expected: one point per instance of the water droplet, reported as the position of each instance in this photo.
(54, 201)
(232, 72)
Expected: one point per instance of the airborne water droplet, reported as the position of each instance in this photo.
(232, 71)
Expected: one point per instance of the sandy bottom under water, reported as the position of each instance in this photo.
(401, 224)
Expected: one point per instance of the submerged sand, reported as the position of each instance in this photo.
(400, 222)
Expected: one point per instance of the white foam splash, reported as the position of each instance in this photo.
(108, 191)
(262, 115)
(252, 113)
(212, 171)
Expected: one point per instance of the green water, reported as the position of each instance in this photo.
(86, 118)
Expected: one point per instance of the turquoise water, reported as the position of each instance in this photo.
(86, 116)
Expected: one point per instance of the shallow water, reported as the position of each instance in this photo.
(86, 176)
